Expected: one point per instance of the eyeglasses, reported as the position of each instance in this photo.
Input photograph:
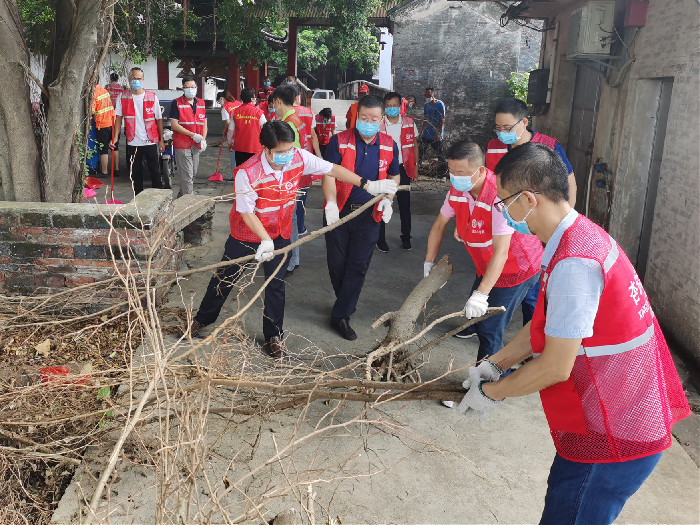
(499, 205)
(496, 130)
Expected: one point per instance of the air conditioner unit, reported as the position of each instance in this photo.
(591, 29)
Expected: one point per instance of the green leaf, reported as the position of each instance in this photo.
(103, 393)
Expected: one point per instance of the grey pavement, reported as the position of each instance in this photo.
(426, 464)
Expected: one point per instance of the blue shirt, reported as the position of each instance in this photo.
(573, 289)
(434, 113)
(366, 163)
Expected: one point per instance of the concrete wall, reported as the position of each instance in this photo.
(459, 49)
(666, 48)
(47, 247)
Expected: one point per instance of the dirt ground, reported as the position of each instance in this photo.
(404, 462)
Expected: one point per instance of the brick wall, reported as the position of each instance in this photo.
(459, 49)
(47, 247)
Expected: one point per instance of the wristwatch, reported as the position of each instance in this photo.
(363, 183)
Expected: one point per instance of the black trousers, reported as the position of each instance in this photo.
(242, 156)
(223, 281)
(404, 200)
(349, 250)
(136, 155)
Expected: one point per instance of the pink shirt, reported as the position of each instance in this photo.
(499, 226)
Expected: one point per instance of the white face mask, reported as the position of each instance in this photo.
(190, 92)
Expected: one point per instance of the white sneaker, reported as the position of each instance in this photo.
(449, 404)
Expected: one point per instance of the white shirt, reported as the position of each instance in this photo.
(246, 196)
(140, 137)
(225, 115)
(394, 131)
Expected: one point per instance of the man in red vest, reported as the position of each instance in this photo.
(140, 110)
(607, 382)
(325, 128)
(507, 261)
(351, 115)
(266, 90)
(244, 128)
(404, 132)
(374, 156)
(261, 223)
(188, 120)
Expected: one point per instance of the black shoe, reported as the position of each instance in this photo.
(116, 173)
(382, 246)
(276, 347)
(466, 333)
(342, 326)
(290, 272)
(195, 327)
(405, 244)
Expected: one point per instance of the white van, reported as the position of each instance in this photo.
(323, 94)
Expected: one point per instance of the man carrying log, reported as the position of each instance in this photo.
(507, 259)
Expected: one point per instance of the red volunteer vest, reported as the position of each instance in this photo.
(246, 134)
(149, 117)
(115, 90)
(264, 108)
(230, 106)
(189, 120)
(348, 153)
(275, 201)
(475, 228)
(324, 130)
(496, 149)
(623, 394)
(408, 143)
(307, 119)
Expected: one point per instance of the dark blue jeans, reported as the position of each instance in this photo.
(223, 281)
(592, 493)
(404, 200)
(349, 250)
(301, 208)
(491, 330)
(528, 306)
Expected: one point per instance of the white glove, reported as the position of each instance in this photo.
(427, 266)
(386, 209)
(477, 305)
(197, 138)
(475, 398)
(375, 187)
(487, 370)
(332, 212)
(265, 250)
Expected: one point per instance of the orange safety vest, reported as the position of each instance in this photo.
(348, 152)
(149, 116)
(496, 149)
(623, 393)
(324, 130)
(275, 202)
(189, 120)
(246, 133)
(408, 144)
(102, 108)
(351, 115)
(475, 228)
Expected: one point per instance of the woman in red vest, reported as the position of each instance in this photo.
(507, 261)
(607, 382)
(261, 223)
(188, 120)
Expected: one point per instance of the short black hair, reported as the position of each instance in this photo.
(247, 95)
(370, 101)
(275, 131)
(466, 149)
(430, 89)
(188, 79)
(390, 95)
(285, 94)
(296, 89)
(512, 106)
(537, 167)
(326, 112)
(114, 77)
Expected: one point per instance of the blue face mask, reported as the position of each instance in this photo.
(282, 159)
(367, 129)
(507, 137)
(462, 182)
(272, 110)
(393, 112)
(518, 226)
(266, 84)
(135, 85)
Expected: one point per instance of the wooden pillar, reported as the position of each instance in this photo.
(234, 76)
(163, 81)
(292, 48)
(253, 76)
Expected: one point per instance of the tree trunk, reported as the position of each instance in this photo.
(19, 161)
(48, 165)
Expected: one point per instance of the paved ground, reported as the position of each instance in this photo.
(434, 467)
